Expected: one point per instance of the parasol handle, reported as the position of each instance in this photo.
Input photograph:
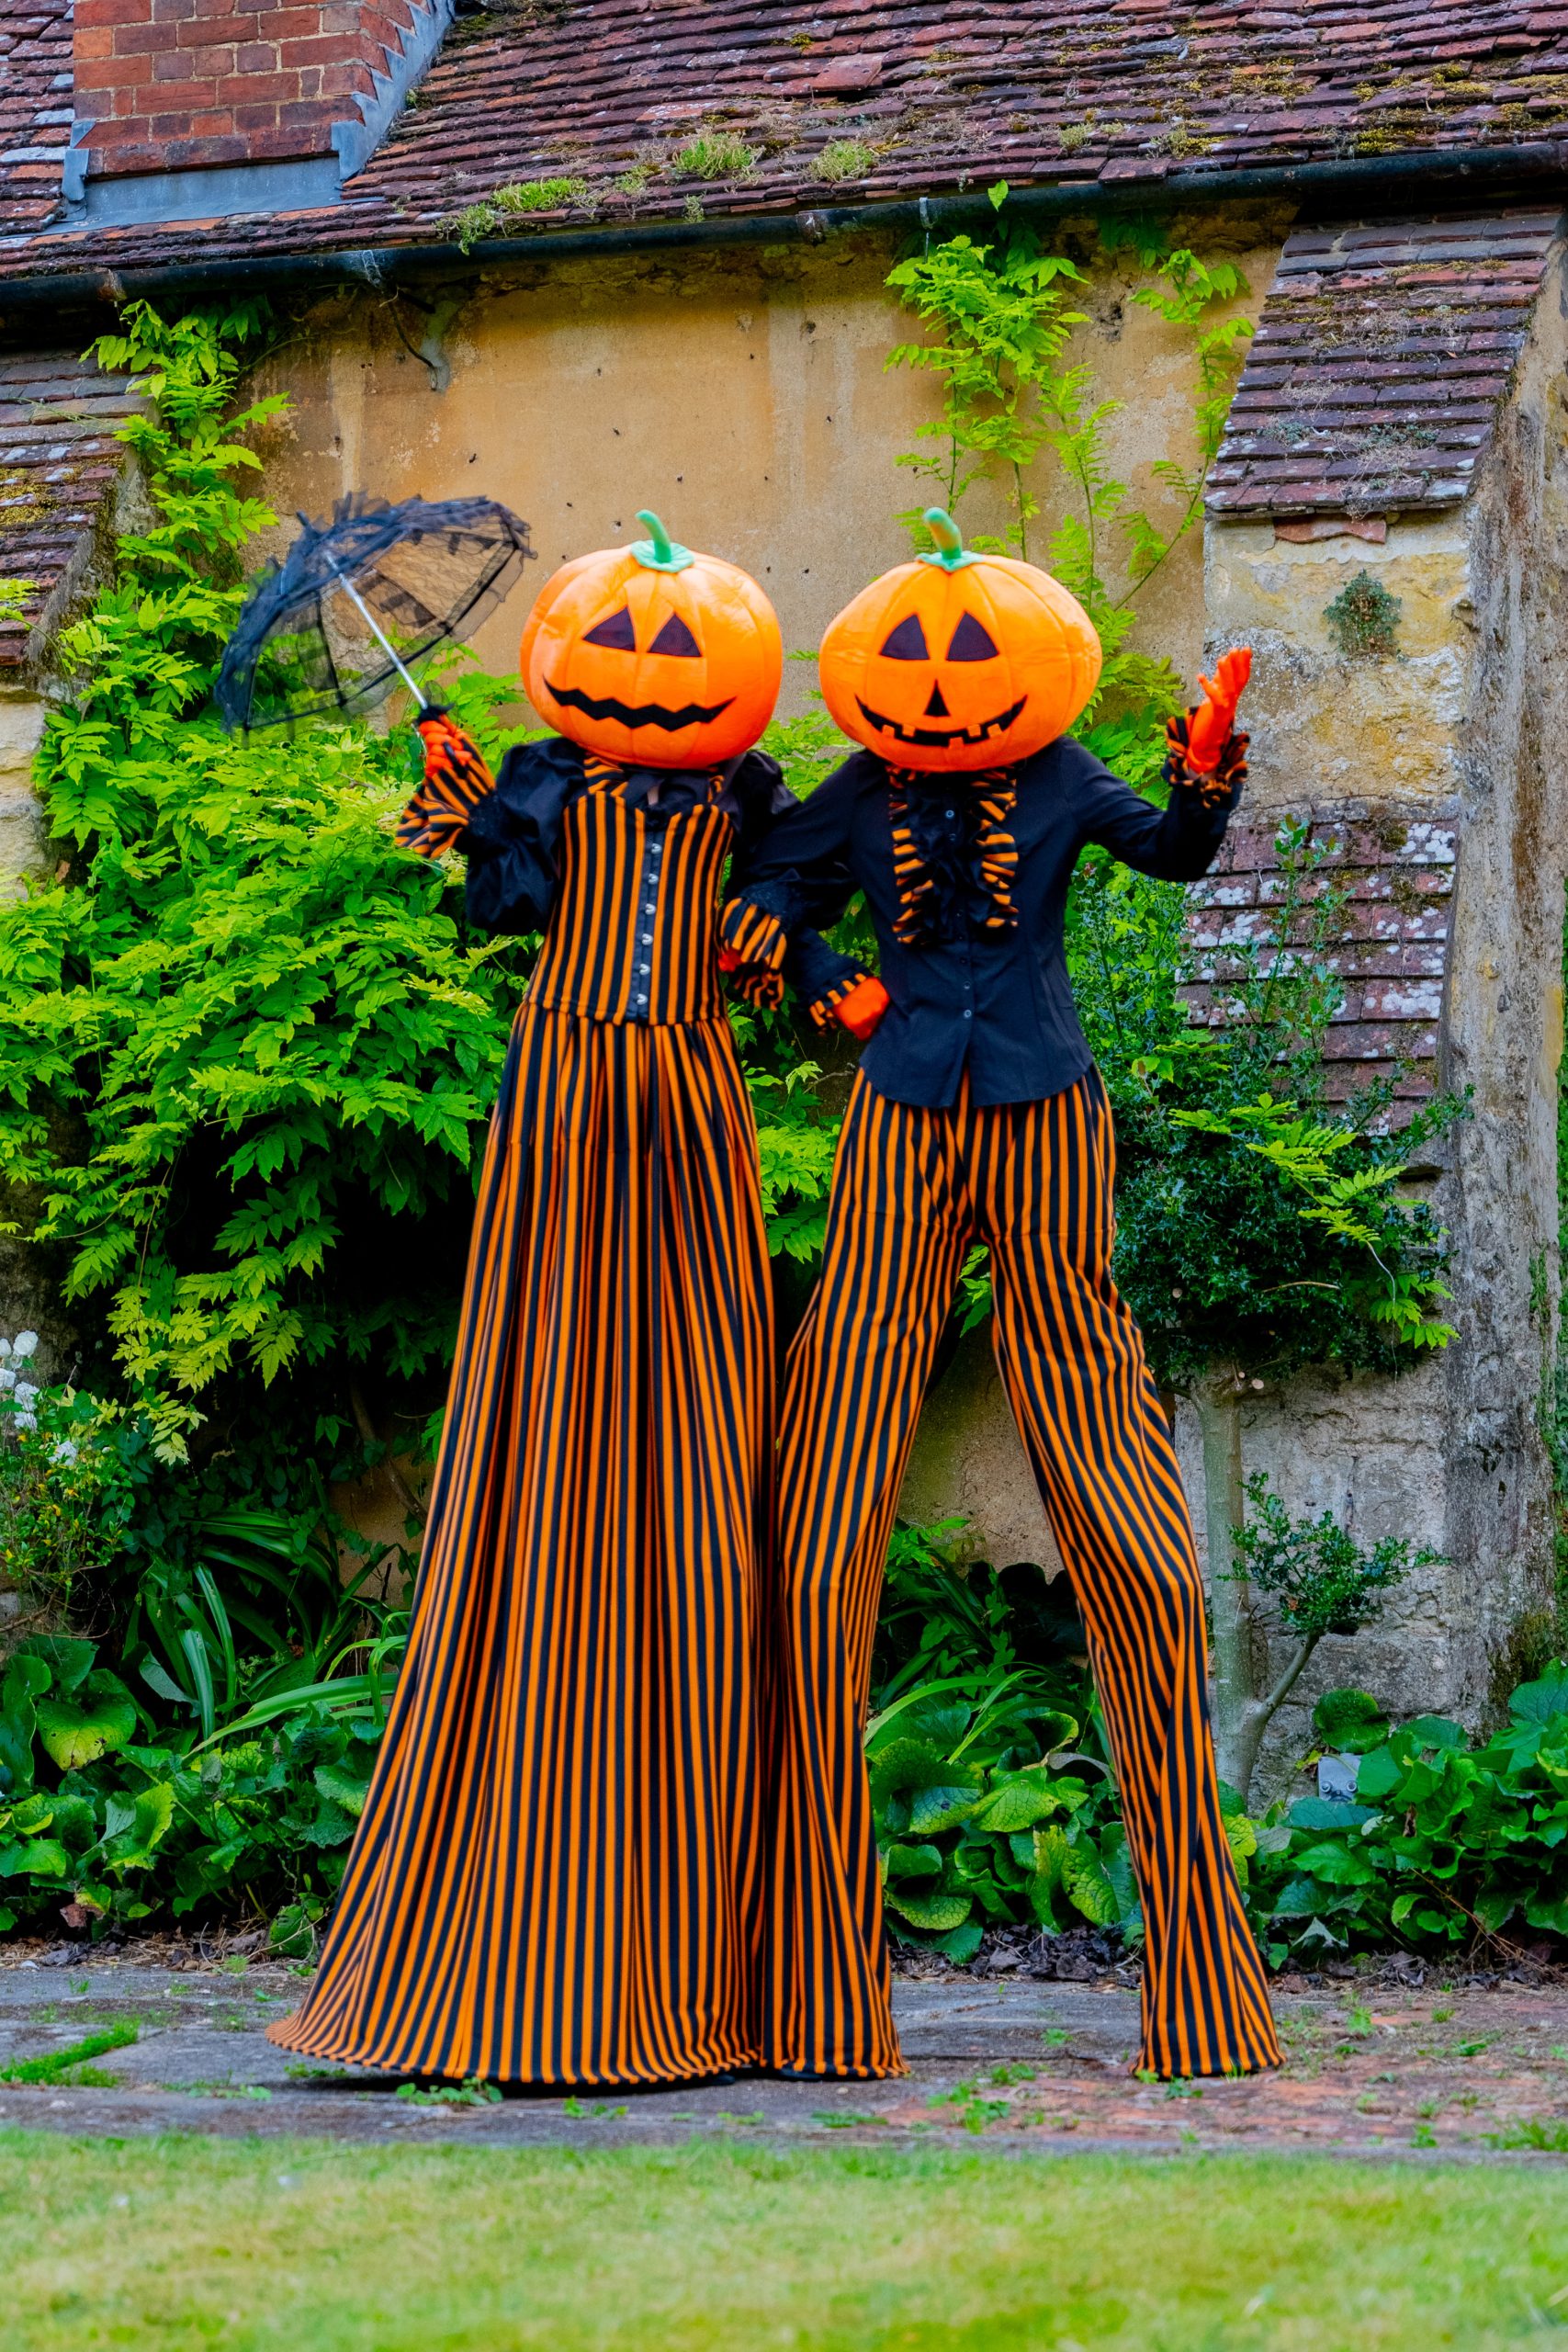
(379, 633)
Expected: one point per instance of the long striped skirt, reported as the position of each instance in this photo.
(557, 1878)
(912, 1191)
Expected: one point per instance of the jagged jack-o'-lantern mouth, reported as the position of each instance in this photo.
(940, 738)
(638, 714)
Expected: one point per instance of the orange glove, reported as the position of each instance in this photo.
(1215, 720)
(862, 1007)
(456, 776)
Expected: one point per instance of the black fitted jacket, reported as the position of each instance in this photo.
(997, 1003)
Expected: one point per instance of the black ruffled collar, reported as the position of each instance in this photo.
(952, 884)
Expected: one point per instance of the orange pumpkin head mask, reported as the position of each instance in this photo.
(959, 661)
(653, 656)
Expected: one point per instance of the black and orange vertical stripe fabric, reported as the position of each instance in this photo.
(913, 1189)
(557, 1877)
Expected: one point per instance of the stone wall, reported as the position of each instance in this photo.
(1465, 731)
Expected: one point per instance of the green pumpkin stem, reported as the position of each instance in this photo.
(658, 551)
(950, 551)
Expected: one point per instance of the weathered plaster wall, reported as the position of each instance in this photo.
(741, 394)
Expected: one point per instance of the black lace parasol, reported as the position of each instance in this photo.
(358, 601)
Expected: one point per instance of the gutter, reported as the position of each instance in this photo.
(1374, 182)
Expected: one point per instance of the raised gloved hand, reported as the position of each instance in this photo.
(861, 1007)
(454, 769)
(456, 780)
(1214, 722)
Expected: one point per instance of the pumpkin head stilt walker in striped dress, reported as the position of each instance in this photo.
(977, 1116)
(559, 1875)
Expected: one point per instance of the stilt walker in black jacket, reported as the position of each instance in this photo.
(977, 1115)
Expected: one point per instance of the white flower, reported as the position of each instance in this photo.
(63, 1452)
(5, 1347)
(26, 1394)
(26, 1421)
(25, 1344)
(7, 1377)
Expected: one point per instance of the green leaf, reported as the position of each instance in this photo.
(75, 1734)
(938, 1794)
(1336, 1866)
(35, 1858)
(150, 1811)
(1327, 1813)
(911, 1861)
(934, 1913)
(344, 1786)
(1381, 1774)
(1543, 1701)
(1018, 1800)
(69, 1660)
(960, 1944)
(1088, 1888)
(1435, 1731)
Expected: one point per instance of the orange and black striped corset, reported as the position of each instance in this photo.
(633, 934)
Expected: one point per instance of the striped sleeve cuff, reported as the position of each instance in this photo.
(823, 1010)
(1217, 789)
(751, 947)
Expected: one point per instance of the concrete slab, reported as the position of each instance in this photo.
(1477, 2068)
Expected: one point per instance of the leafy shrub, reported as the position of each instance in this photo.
(65, 1493)
(246, 1050)
(1320, 1578)
(1363, 620)
(122, 1827)
(1448, 1842)
(992, 1787)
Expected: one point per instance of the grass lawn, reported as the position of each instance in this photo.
(291, 2246)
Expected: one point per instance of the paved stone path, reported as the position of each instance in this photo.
(1469, 2071)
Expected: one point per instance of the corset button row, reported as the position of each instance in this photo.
(646, 910)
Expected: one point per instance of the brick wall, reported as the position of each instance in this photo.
(178, 85)
(1392, 873)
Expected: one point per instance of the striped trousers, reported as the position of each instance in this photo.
(912, 1191)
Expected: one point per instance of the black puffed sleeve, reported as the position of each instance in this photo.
(511, 839)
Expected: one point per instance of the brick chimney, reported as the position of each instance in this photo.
(187, 110)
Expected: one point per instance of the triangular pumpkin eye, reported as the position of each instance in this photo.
(676, 639)
(615, 629)
(970, 642)
(907, 642)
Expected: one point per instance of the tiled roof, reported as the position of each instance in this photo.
(1390, 944)
(639, 112)
(59, 461)
(1382, 354)
(34, 108)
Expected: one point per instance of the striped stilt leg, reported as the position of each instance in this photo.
(1087, 1408)
(910, 1189)
(857, 1375)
